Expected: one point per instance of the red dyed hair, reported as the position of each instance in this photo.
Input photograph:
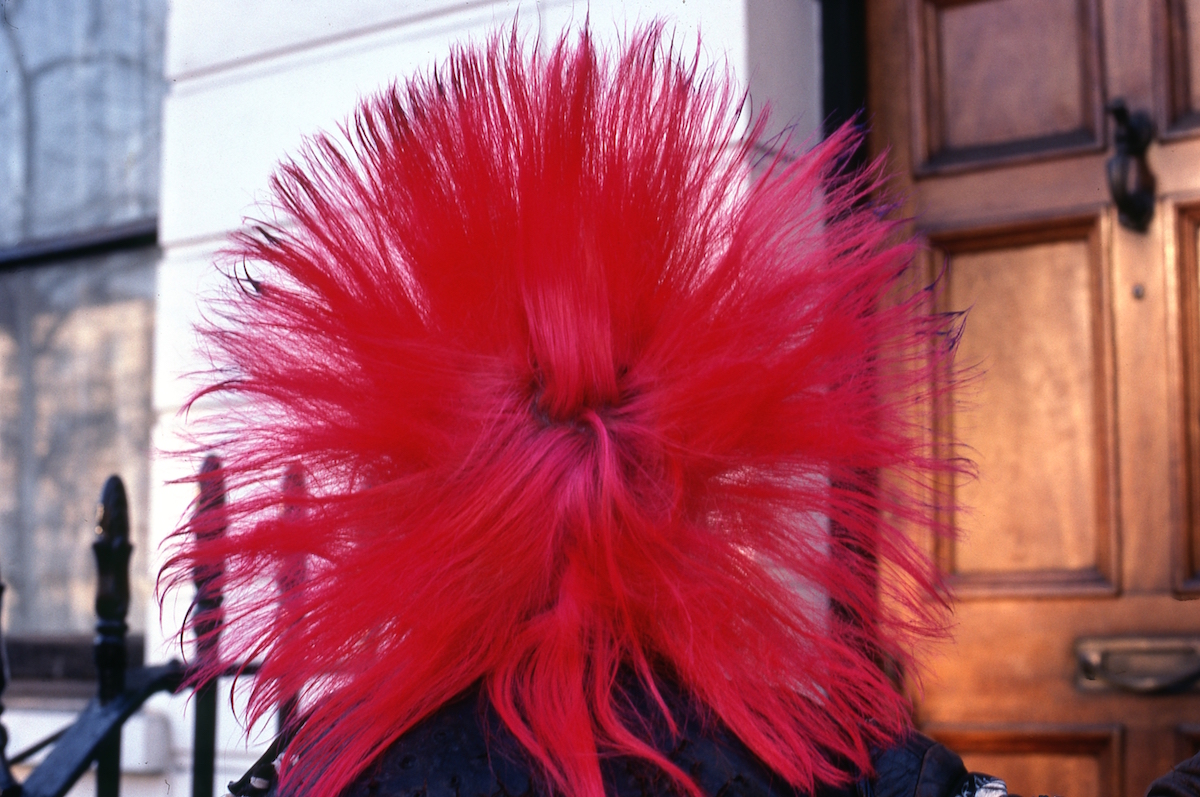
(574, 392)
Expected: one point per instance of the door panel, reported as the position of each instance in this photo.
(1085, 424)
(1029, 109)
(1177, 30)
(1187, 543)
(1039, 424)
(1043, 760)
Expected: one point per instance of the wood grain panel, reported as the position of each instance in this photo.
(1012, 658)
(1060, 774)
(982, 86)
(1067, 761)
(1187, 542)
(1030, 327)
(1038, 421)
(1177, 34)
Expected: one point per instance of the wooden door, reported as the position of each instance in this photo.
(1083, 527)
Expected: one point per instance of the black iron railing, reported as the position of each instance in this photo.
(209, 616)
(95, 735)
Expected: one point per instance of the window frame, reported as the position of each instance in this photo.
(63, 665)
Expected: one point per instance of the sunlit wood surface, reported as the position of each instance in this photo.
(1086, 424)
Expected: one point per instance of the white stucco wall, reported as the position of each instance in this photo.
(248, 80)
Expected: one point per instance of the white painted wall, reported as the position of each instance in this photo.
(248, 80)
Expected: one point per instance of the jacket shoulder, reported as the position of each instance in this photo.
(445, 755)
(920, 767)
(464, 749)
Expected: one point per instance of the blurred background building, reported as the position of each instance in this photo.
(81, 90)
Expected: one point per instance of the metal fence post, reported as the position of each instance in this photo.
(292, 574)
(8, 784)
(209, 523)
(112, 550)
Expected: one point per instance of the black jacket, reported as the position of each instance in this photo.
(463, 750)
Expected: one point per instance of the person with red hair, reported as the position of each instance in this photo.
(611, 422)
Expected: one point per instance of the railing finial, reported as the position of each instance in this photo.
(112, 549)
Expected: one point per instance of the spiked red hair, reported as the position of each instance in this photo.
(573, 392)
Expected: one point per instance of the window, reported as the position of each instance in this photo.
(80, 93)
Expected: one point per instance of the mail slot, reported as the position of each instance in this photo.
(1139, 664)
